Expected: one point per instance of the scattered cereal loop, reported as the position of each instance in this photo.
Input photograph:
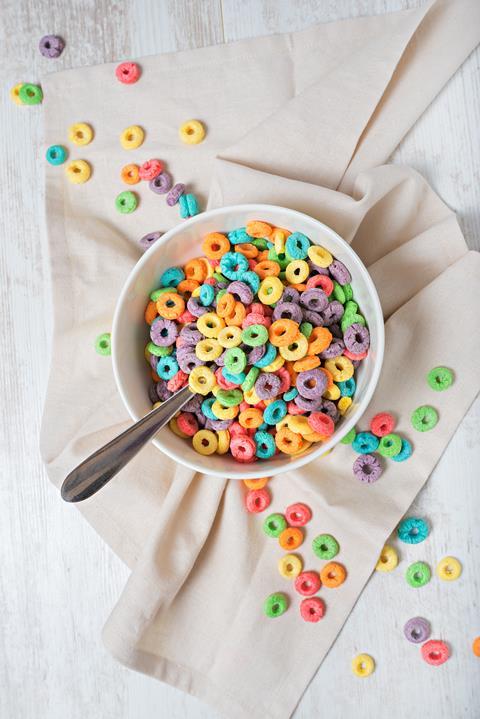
(440, 378)
(424, 418)
(449, 569)
(363, 665)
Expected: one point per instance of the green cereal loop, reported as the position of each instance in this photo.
(325, 546)
(103, 344)
(424, 418)
(218, 276)
(280, 259)
(159, 351)
(235, 360)
(157, 293)
(440, 378)
(275, 605)
(126, 202)
(338, 292)
(255, 335)
(349, 437)
(306, 328)
(260, 243)
(349, 319)
(351, 307)
(229, 397)
(274, 525)
(30, 94)
(348, 292)
(418, 574)
(220, 294)
(390, 445)
(250, 379)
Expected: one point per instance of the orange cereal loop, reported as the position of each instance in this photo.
(130, 174)
(195, 270)
(290, 367)
(286, 233)
(150, 312)
(282, 333)
(333, 575)
(262, 256)
(170, 305)
(256, 483)
(237, 316)
(328, 375)
(319, 340)
(287, 441)
(291, 538)
(215, 245)
(306, 363)
(186, 287)
(246, 249)
(250, 418)
(257, 228)
(226, 305)
(315, 437)
(267, 268)
(300, 288)
(476, 646)
(155, 376)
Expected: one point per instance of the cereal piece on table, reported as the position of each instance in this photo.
(256, 500)
(127, 72)
(424, 418)
(130, 174)
(290, 566)
(78, 171)
(188, 205)
(440, 378)
(291, 538)
(298, 515)
(175, 193)
(312, 609)
(161, 183)
(449, 569)
(30, 94)
(150, 169)
(333, 575)
(383, 423)
(126, 202)
(413, 530)
(307, 583)
(51, 46)
(325, 546)
(365, 443)
(390, 445)
(349, 437)
(80, 133)
(56, 155)
(103, 344)
(275, 605)
(406, 451)
(435, 652)
(15, 93)
(418, 574)
(363, 665)
(148, 240)
(417, 630)
(274, 525)
(256, 483)
(132, 137)
(476, 646)
(191, 132)
(388, 559)
(367, 468)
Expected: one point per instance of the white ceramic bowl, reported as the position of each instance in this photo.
(130, 332)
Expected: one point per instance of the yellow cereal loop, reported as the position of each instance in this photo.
(191, 132)
(251, 397)
(299, 424)
(449, 569)
(296, 350)
(14, 93)
(157, 404)
(205, 441)
(290, 566)
(132, 137)
(201, 380)
(270, 290)
(388, 559)
(78, 171)
(320, 256)
(216, 390)
(278, 238)
(303, 448)
(196, 291)
(278, 362)
(230, 336)
(332, 392)
(208, 349)
(297, 271)
(341, 368)
(210, 324)
(224, 412)
(80, 133)
(343, 404)
(175, 429)
(363, 665)
(223, 439)
(315, 437)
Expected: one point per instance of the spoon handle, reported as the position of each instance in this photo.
(98, 469)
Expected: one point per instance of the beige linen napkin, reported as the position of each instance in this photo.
(302, 120)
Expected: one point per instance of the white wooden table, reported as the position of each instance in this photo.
(58, 579)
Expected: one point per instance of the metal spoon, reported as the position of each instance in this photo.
(98, 469)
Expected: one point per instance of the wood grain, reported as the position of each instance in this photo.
(59, 581)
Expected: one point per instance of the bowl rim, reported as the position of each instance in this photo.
(254, 470)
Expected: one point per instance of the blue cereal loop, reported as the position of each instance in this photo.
(172, 277)
(239, 236)
(207, 408)
(56, 155)
(192, 204)
(263, 426)
(297, 246)
(291, 394)
(347, 388)
(275, 411)
(413, 530)
(183, 206)
(231, 377)
(265, 445)
(252, 280)
(268, 357)
(233, 265)
(167, 367)
(405, 452)
(207, 295)
(365, 443)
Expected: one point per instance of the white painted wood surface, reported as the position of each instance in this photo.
(58, 579)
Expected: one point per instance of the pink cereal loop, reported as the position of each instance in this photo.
(177, 381)
(242, 447)
(353, 356)
(298, 515)
(257, 500)
(187, 423)
(285, 377)
(237, 430)
(257, 307)
(320, 281)
(222, 382)
(244, 406)
(186, 317)
(294, 408)
(256, 319)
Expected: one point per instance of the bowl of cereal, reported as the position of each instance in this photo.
(275, 324)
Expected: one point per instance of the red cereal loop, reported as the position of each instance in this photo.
(127, 72)
(297, 515)
(322, 423)
(150, 169)
(285, 378)
(178, 381)
(236, 429)
(186, 317)
(382, 424)
(312, 609)
(257, 500)
(307, 583)
(353, 356)
(187, 423)
(322, 281)
(435, 652)
(294, 408)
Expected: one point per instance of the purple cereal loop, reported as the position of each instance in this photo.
(51, 46)
(315, 269)
(194, 404)
(201, 419)
(153, 362)
(196, 308)
(188, 361)
(315, 299)
(311, 384)
(190, 333)
(417, 630)
(242, 291)
(290, 294)
(315, 318)
(367, 468)
(148, 240)
(328, 407)
(220, 361)
(163, 332)
(335, 349)
(161, 183)
(357, 338)
(218, 424)
(163, 392)
(310, 405)
(340, 273)
(287, 311)
(267, 385)
(336, 331)
(174, 194)
(333, 313)
(152, 391)
(256, 354)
